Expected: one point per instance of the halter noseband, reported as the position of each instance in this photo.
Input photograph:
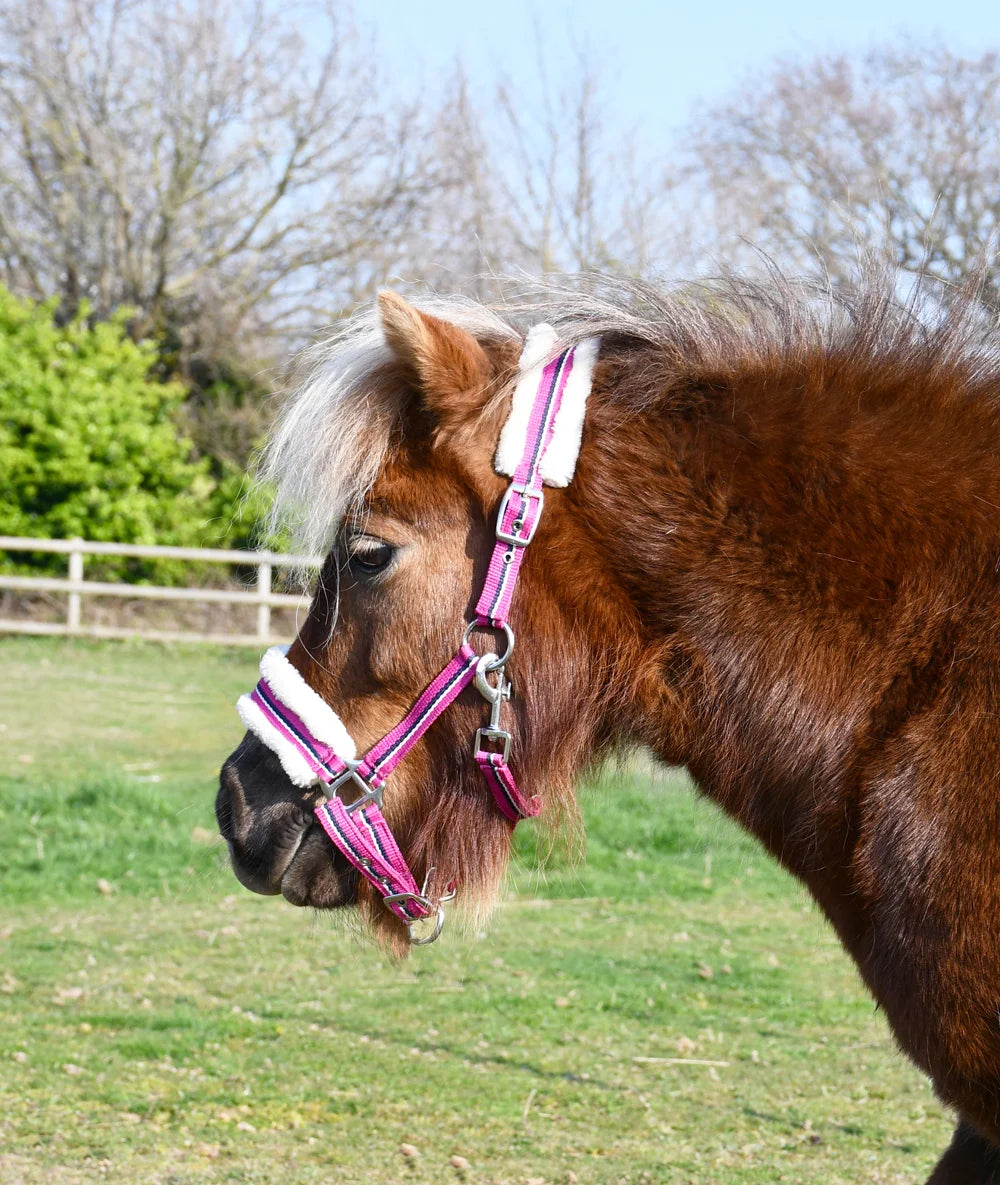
(539, 444)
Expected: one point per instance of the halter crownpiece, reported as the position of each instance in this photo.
(538, 445)
(558, 460)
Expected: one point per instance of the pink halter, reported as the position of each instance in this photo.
(309, 738)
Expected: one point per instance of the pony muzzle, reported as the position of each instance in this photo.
(275, 845)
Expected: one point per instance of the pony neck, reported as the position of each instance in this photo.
(788, 547)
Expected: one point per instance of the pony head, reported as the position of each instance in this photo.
(386, 457)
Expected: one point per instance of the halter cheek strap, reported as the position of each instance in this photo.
(538, 445)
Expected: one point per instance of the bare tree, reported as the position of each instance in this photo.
(224, 169)
(894, 152)
(579, 193)
(457, 236)
(541, 185)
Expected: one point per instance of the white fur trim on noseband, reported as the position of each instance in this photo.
(299, 771)
(314, 712)
(559, 462)
(310, 707)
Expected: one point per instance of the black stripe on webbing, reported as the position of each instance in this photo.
(553, 388)
(276, 707)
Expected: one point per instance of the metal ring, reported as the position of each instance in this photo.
(409, 923)
(509, 633)
(434, 934)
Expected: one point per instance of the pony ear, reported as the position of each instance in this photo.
(448, 363)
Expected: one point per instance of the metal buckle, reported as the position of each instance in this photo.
(493, 734)
(519, 487)
(369, 793)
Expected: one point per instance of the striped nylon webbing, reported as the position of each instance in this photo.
(523, 507)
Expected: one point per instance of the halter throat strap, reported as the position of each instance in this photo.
(538, 445)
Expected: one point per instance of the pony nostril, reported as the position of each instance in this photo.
(225, 804)
(261, 816)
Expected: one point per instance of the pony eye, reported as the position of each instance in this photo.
(369, 554)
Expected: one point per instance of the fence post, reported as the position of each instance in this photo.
(263, 609)
(76, 577)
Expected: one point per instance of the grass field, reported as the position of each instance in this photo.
(673, 1011)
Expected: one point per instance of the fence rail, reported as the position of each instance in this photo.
(76, 587)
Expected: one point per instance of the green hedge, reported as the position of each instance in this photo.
(90, 443)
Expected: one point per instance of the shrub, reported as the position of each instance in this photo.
(90, 443)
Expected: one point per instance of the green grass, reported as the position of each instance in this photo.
(112, 752)
(178, 1029)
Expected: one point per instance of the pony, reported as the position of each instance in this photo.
(777, 564)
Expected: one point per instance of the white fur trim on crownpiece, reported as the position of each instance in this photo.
(539, 347)
(292, 761)
(559, 462)
(310, 707)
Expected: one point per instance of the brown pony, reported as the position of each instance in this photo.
(778, 565)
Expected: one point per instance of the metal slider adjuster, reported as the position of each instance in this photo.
(514, 539)
(492, 734)
(369, 793)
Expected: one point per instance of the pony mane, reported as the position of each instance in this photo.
(333, 434)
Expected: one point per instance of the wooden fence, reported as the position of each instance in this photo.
(76, 587)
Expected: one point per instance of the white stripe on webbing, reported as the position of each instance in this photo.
(362, 814)
(416, 725)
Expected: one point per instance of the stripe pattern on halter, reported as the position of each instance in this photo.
(539, 445)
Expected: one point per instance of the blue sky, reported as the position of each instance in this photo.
(659, 60)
